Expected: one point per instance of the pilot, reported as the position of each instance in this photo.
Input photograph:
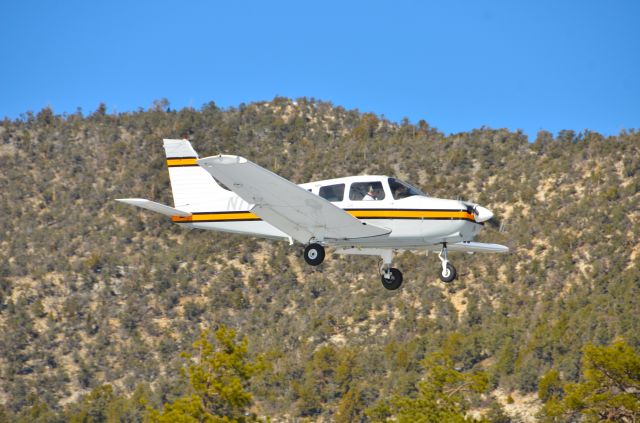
(401, 192)
(372, 194)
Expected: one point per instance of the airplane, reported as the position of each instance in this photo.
(371, 215)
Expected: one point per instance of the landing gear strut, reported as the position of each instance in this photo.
(314, 254)
(448, 272)
(391, 277)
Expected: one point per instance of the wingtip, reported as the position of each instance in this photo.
(503, 249)
(221, 159)
(130, 200)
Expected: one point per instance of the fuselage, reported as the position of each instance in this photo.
(415, 219)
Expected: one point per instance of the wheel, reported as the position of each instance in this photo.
(449, 274)
(394, 281)
(314, 254)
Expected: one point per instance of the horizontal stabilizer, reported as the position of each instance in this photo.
(153, 206)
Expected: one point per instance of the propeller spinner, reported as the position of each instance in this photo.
(482, 214)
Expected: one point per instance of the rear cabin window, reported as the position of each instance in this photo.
(363, 191)
(332, 192)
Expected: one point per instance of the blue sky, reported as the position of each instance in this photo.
(459, 65)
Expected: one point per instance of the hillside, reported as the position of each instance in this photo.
(95, 292)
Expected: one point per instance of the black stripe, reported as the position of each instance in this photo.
(365, 218)
(182, 165)
(362, 210)
(220, 220)
(413, 218)
(410, 210)
(185, 157)
(221, 212)
(362, 217)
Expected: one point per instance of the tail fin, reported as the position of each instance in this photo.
(194, 189)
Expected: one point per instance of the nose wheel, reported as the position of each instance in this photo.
(448, 272)
(314, 254)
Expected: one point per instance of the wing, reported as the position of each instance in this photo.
(290, 208)
(472, 247)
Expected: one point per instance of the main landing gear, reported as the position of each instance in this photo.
(448, 272)
(314, 254)
(391, 277)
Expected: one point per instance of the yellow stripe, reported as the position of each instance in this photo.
(360, 214)
(217, 217)
(182, 162)
(410, 214)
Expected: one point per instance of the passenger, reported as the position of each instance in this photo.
(372, 194)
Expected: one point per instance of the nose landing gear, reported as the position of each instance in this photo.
(448, 272)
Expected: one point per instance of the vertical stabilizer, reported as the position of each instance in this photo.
(194, 189)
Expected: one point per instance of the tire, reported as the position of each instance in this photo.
(394, 281)
(314, 254)
(450, 274)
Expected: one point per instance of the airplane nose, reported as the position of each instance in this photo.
(482, 214)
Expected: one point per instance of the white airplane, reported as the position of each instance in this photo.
(363, 215)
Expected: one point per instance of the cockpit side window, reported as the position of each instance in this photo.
(400, 189)
(332, 192)
(363, 191)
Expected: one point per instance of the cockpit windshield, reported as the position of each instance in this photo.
(401, 189)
